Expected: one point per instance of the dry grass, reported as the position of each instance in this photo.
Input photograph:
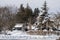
(41, 32)
(58, 39)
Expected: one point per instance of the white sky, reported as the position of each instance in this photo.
(54, 5)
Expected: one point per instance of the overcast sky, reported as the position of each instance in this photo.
(54, 5)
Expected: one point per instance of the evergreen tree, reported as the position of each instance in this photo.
(28, 11)
(42, 16)
(29, 16)
(20, 14)
(21, 8)
(36, 12)
(24, 13)
(44, 10)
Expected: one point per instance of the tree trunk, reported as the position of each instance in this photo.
(30, 24)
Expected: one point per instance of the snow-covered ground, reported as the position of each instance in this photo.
(17, 32)
(21, 35)
(29, 37)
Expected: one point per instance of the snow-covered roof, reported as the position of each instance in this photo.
(18, 25)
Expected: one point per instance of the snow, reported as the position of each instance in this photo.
(44, 21)
(59, 28)
(22, 35)
(18, 25)
(17, 34)
(50, 29)
(30, 37)
(44, 30)
(33, 27)
(40, 13)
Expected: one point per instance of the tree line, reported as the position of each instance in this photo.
(23, 15)
(8, 19)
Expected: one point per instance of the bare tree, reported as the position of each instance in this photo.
(57, 19)
(7, 19)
